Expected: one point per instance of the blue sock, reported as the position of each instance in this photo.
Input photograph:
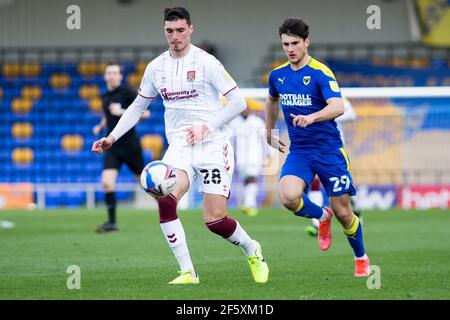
(308, 209)
(354, 235)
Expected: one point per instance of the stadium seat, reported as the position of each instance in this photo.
(1, 93)
(11, 70)
(95, 104)
(31, 69)
(59, 81)
(22, 156)
(255, 105)
(153, 143)
(21, 105)
(89, 69)
(89, 91)
(22, 130)
(72, 142)
(31, 92)
(134, 79)
(140, 67)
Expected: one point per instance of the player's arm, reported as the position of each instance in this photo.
(333, 109)
(99, 127)
(272, 111)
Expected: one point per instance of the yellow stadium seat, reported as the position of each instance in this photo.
(89, 69)
(153, 143)
(31, 92)
(22, 155)
(60, 80)
(31, 69)
(134, 80)
(22, 130)
(255, 105)
(11, 70)
(21, 105)
(140, 67)
(89, 91)
(95, 104)
(72, 142)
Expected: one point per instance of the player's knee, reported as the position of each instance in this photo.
(214, 214)
(289, 199)
(108, 186)
(342, 210)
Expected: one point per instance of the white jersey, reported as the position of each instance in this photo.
(250, 141)
(190, 87)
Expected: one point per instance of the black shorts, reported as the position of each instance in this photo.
(129, 153)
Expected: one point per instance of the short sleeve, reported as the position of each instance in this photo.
(147, 88)
(329, 86)
(219, 77)
(272, 89)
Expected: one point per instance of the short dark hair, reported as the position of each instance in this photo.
(177, 13)
(114, 63)
(294, 26)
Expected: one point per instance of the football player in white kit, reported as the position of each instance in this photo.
(190, 81)
(251, 150)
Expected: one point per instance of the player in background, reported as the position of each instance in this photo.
(190, 82)
(251, 151)
(310, 97)
(315, 193)
(128, 150)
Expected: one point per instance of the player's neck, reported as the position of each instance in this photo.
(180, 54)
(301, 63)
(111, 87)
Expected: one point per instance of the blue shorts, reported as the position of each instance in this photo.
(332, 168)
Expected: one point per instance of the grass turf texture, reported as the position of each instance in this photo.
(410, 247)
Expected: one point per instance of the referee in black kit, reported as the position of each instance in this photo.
(127, 150)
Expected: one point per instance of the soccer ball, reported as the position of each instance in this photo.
(158, 179)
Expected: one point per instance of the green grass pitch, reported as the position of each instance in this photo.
(412, 249)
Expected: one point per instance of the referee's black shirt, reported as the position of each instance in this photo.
(124, 96)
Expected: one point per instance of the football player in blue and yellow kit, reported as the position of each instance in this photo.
(310, 98)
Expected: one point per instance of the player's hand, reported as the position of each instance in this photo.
(116, 109)
(97, 129)
(196, 134)
(302, 121)
(103, 144)
(275, 142)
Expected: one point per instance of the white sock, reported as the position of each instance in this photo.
(364, 257)
(324, 215)
(250, 194)
(242, 239)
(315, 223)
(174, 234)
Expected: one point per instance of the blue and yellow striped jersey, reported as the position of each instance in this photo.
(306, 91)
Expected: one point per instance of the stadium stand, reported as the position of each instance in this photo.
(49, 112)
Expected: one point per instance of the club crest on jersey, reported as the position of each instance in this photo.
(190, 75)
(306, 80)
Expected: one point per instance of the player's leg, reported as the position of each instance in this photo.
(218, 222)
(353, 230)
(215, 167)
(168, 218)
(316, 196)
(250, 196)
(338, 184)
(111, 166)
